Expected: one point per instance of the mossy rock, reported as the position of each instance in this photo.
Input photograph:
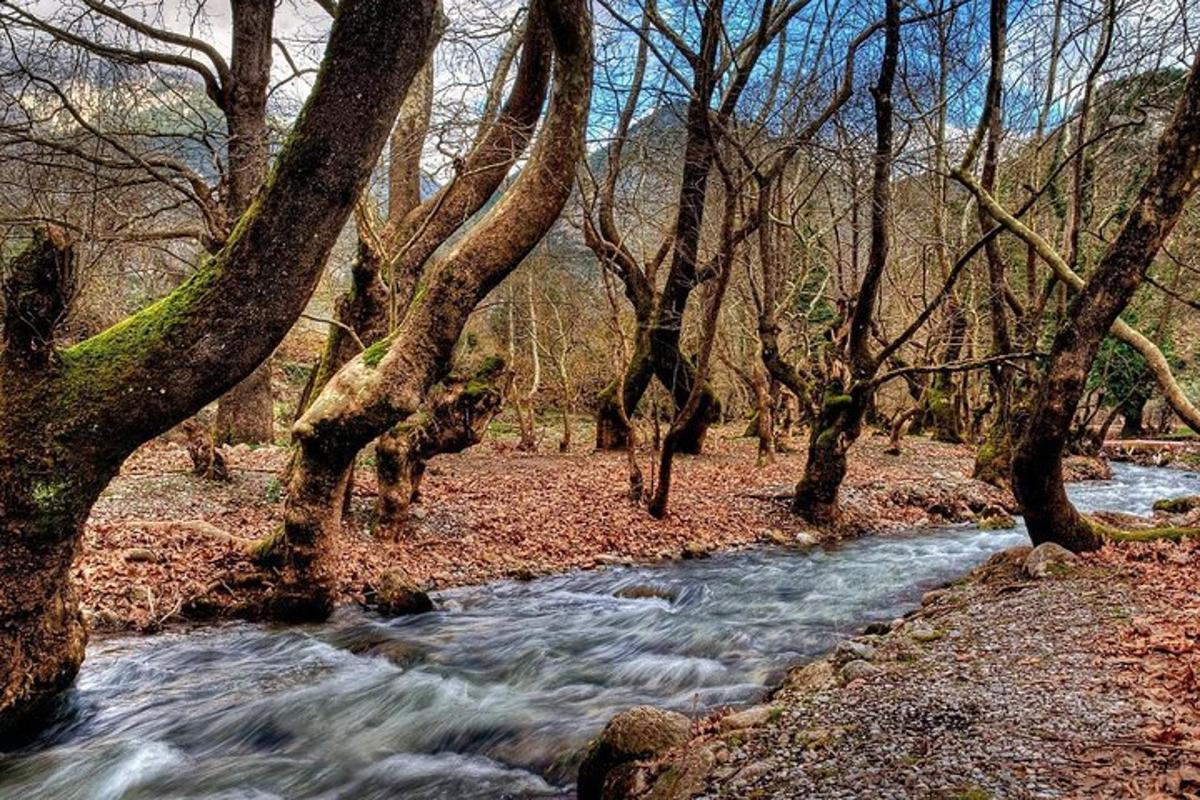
(396, 595)
(1178, 505)
(641, 733)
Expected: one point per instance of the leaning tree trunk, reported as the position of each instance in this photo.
(390, 381)
(70, 417)
(1038, 460)
(450, 423)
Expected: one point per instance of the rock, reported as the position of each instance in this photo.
(753, 771)
(687, 776)
(877, 629)
(778, 538)
(1086, 468)
(522, 574)
(695, 549)
(1049, 559)
(811, 677)
(932, 596)
(996, 519)
(402, 654)
(852, 650)
(140, 555)
(640, 733)
(396, 595)
(807, 538)
(609, 560)
(859, 669)
(1178, 505)
(923, 632)
(751, 717)
(647, 591)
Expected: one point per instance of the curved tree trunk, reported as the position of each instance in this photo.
(1037, 462)
(69, 418)
(451, 422)
(389, 382)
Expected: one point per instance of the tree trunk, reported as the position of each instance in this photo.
(247, 413)
(836, 428)
(839, 421)
(1037, 462)
(452, 422)
(389, 382)
(69, 418)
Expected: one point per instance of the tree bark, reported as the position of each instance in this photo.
(68, 420)
(839, 422)
(1037, 462)
(247, 412)
(452, 421)
(390, 381)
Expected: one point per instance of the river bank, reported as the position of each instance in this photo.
(164, 546)
(1072, 681)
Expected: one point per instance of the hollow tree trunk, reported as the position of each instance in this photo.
(1037, 462)
(69, 418)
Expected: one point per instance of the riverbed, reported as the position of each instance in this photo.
(494, 693)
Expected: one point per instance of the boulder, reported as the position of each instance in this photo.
(811, 677)
(922, 631)
(1049, 559)
(751, 717)
(852, 650)
(397, 595)
(647, 591)
(1178, 505)
(695, 549)
(856, 670)
(640, 733)
(996, 519)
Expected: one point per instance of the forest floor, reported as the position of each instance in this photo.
(1081, 685)
(164, 546)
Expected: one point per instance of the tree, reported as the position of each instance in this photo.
(1037, 460)
(391, 380)
(69, 417)
(393, 252)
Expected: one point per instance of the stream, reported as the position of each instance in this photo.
(492, 695)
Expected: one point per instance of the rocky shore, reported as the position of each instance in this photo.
(1033, 677)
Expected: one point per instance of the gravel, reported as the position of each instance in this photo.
(1005, 703)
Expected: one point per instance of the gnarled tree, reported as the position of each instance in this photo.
(391, 256)
(391, 380)
(69, 417)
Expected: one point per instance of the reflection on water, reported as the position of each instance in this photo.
(491, 695)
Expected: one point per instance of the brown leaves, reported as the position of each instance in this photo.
(1156, 656)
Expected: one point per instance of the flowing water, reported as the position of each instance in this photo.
(493, 694)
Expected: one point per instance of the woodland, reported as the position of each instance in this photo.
(646, 350)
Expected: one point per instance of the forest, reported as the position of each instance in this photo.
(599, 399)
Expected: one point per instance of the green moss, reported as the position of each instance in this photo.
(375, 353)
(837, 402)
(1178, 505)
(103, 362)
(1170, 533)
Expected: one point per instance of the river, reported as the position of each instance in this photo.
(493, 694)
